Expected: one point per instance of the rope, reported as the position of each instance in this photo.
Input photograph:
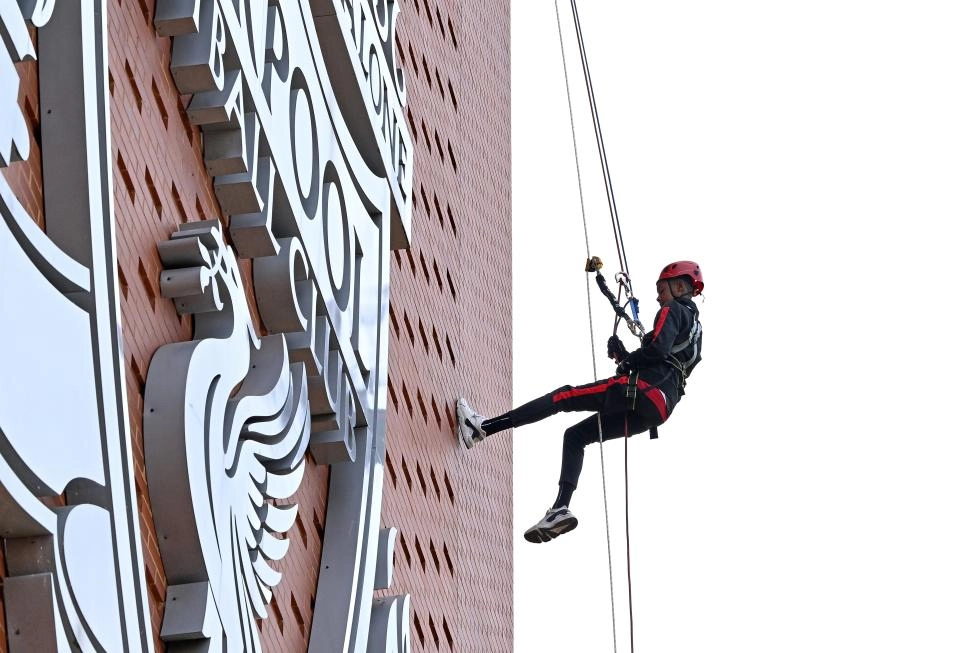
(617, 234)
(588, 295)
(626, 482)
(600, 142)
(578, 169)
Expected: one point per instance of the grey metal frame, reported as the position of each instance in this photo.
(75, 573)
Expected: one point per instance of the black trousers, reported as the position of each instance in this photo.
(618, 415)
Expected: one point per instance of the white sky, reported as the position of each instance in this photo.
(819, 487)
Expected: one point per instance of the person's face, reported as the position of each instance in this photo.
(664, 289)
(663, 293)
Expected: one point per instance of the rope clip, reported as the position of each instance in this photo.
(636, 328)
(626, 285)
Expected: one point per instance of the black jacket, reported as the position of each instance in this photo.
(673, 345)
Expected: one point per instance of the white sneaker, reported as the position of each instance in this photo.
(468, 424)
(555, 522)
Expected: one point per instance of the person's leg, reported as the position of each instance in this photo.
(533, 411)
(605, 395)
(559, 519)
(614, 425)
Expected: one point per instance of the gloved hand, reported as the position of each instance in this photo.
(624, 367)
(615, 349)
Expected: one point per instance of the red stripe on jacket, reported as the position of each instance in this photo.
(660, 322)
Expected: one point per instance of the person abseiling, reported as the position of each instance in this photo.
(641, 396)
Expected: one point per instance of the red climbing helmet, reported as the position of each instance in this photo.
(684, 269)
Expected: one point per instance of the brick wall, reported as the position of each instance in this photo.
(450, 314)
(450, 331)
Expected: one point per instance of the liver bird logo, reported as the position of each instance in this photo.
(226, 427)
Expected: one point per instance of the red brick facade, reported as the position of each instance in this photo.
(450, 330)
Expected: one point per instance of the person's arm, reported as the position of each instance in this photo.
(656, 345)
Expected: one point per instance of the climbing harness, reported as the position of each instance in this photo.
(682, 365)
(593, 265)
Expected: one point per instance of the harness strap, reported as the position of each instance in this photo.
(604, 287)
(681, 369)
(692, 339)
(634, 324)
(631, 387)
